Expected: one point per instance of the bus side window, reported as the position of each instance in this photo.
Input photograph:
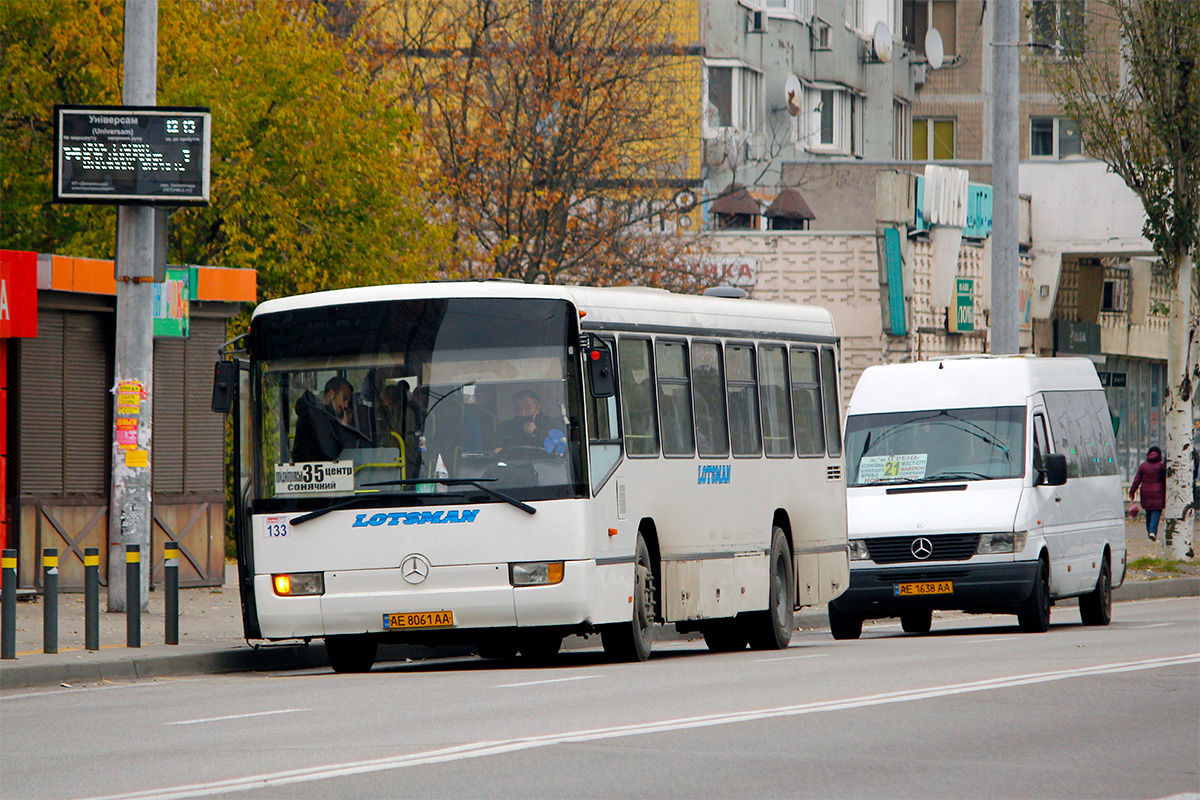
(635, 369)
(708, 377)
(776, 417)
(674, 397)
(806, 403)
(829, 391)
(742, 383)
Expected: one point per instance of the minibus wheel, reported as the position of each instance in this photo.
(843, 625)
(631, 641)
(1095, 607)
(772, 629)
(354, 653)
(1034, 614)
(916, 621)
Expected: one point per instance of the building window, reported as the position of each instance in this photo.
(831, 120)
(901, 130)
(933, 140)
(734, 99)
(1054, 137)
(1057, 27)
(801, 9)
(921, 15)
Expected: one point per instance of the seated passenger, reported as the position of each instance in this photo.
(529, 427)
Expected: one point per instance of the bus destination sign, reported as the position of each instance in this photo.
(132, 155)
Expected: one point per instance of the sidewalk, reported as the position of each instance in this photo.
(211, 641)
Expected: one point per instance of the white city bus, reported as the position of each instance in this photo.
(684, 466)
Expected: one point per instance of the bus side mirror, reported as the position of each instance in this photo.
(600, 368)
(1054, 470)
(224, 386)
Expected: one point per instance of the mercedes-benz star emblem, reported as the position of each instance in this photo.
(415, 568)
(922, 548)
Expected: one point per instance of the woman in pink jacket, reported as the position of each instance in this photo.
(1151, 477)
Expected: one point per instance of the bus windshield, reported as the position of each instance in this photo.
(936, 445)
(415, 401)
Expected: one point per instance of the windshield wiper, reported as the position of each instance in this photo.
(490, 492)
(320, 512)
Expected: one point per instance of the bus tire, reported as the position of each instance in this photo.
(724, 635)
(843, 625)
(351, 653)
(631, 641)
(1095, 607)
(916, 621)
(1034, 614)
(772, 629)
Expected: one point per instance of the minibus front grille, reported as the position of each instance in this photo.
(916, 576)
(902, 549)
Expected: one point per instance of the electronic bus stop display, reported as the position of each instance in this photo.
(132, 155)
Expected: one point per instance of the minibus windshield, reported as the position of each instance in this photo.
(417, 401)
(936, 445)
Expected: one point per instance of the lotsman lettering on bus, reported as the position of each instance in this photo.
(467, 515)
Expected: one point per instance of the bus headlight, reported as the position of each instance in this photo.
(535, 573)
(990, 543)
(296, 584)
(858, 550)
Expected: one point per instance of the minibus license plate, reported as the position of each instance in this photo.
(418, 619)
(914, 589)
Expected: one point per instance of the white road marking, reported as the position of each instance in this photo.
(1155, 625)
(792, 658)
(550, 680)
(484, 749)
(993, 639)
(104, 685)
(238, 716)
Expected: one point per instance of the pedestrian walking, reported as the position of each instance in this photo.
(1151, 478)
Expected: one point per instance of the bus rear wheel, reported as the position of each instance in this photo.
(772, 629)
(631, 641)
(351, 653)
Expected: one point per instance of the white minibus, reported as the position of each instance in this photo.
(984, 484)
(502, 465)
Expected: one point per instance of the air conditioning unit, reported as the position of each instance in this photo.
(756, 22)
(920, 73)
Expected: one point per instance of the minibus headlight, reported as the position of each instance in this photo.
(990, 543)
(296, 584)
(536, 573)
(858, 550)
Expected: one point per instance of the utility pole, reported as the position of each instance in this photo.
(1006, 186)
(129, 513)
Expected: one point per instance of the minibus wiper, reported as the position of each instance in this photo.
(320, 512)
(475, 482)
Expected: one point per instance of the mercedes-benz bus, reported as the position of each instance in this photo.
(503, 465)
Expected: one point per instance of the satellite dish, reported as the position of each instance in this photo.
(934, 51)
(882, 42)
(793, 94)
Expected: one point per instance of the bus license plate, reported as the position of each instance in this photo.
(418, 619)
(915, 589)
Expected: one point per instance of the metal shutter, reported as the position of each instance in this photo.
(169, 392)
(204, 430)
(40, 395)
(87, 402)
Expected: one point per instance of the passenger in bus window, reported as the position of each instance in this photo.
(339, 396)
(529, 427)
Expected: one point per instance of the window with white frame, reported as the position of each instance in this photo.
(830, 120)
(933, 139)
(733, 98)
(801, 9)
(919, 16)
(1057, 27)
(1054, 137)
(901, 129)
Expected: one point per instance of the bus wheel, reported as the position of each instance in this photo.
(772, 629)
(540, 646)
(724, 636)
(631, 641)
(1095, 607)
(843, 625)
(916, 621)
(1034, 614)
(354, 653)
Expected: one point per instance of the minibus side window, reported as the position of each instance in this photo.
(708, 377)
(635, 368)
(806, 403)
(674, 397)
(776, 416)
(829, 390)
(742, 382)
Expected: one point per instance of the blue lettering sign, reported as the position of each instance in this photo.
(713, 474)
(466, 515)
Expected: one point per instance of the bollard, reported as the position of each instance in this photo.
(8, 602)
(171, 584)
(133, 595)
(91, 598)
(50, 600)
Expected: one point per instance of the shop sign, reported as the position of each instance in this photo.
(1076, 338)
(961, 314)
(18, 294)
